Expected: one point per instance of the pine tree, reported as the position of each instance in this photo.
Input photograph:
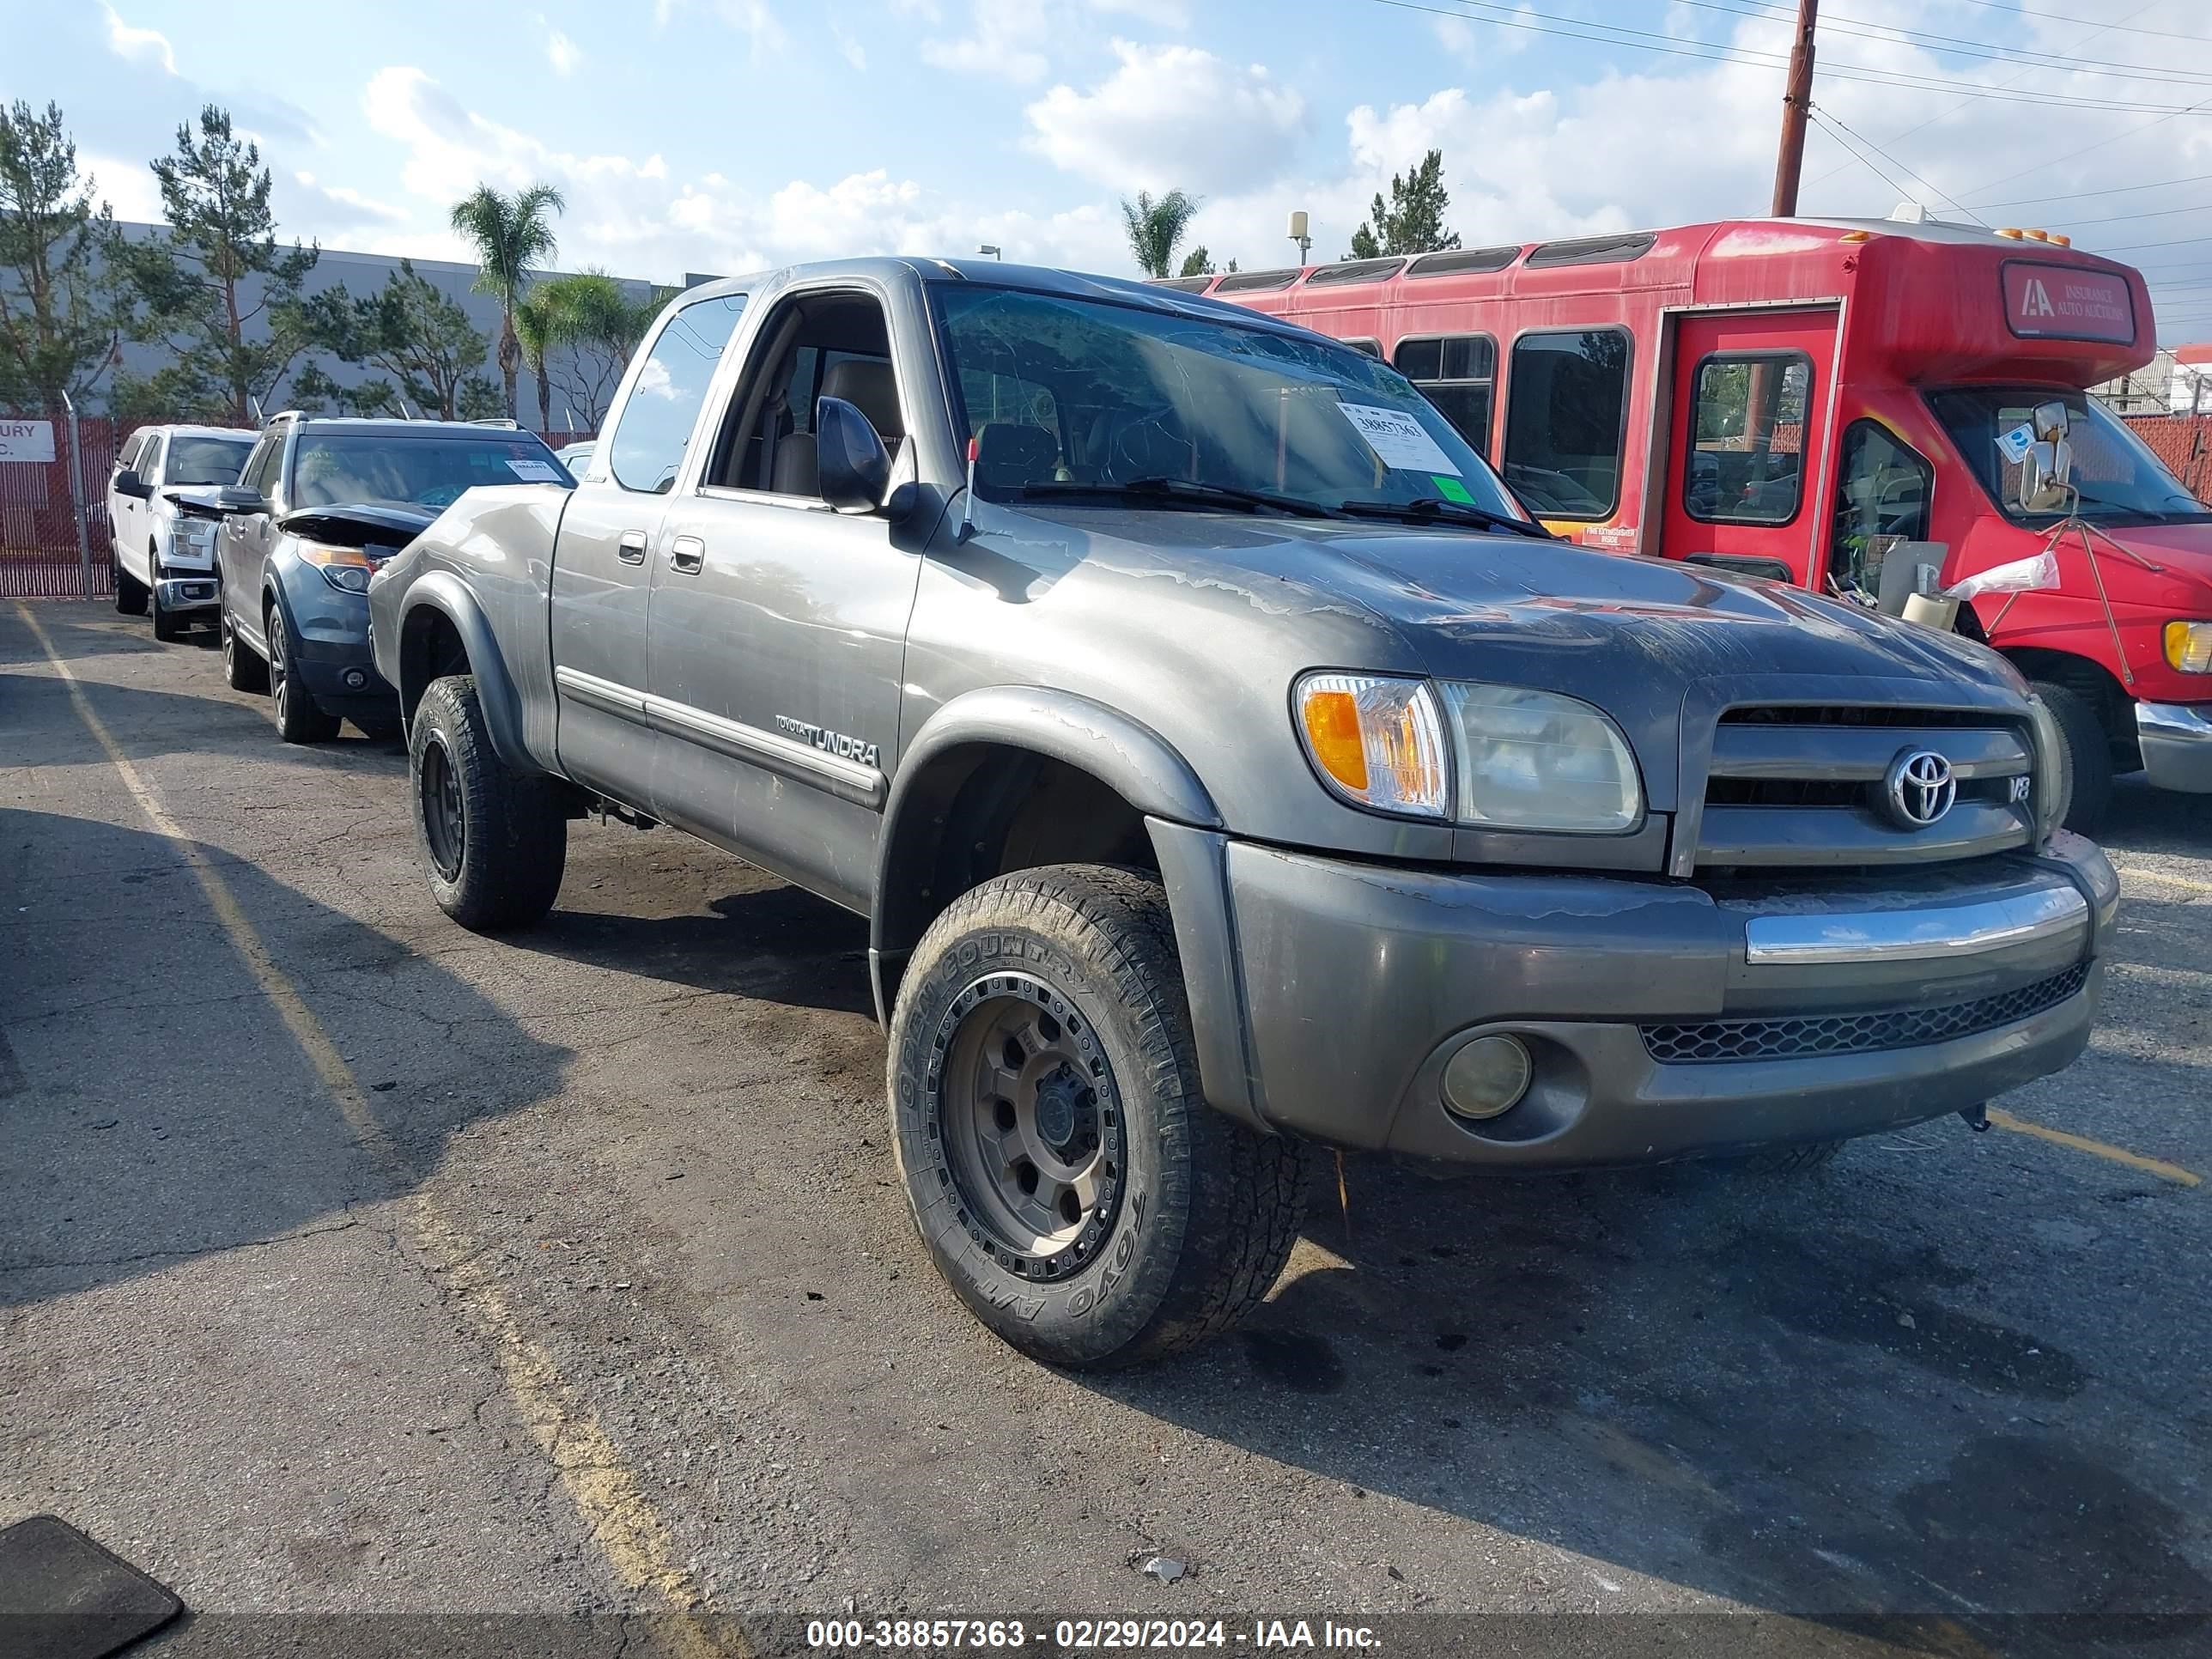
(194, 285)
(57, 314)
(1414, 219)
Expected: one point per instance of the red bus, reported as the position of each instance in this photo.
(1794, 399)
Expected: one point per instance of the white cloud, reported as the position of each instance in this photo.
(1470, 37)
(848, 45)
(138, 46)
(562, 53)
(1007, 40)
(1161, 14)
(126, 186)
(754, 19)
(1170, 116)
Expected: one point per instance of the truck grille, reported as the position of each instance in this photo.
(1711, 1042)
(1805, 787)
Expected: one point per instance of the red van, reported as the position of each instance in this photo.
(1794, 398)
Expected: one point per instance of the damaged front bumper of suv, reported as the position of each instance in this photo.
(1659, 1019)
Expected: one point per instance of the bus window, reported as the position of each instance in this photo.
(1566, 407)
(1882, 499)
(1457, 373)
(1745, 463)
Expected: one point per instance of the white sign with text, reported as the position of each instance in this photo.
(27, 440)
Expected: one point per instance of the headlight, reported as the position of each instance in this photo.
(2189, 647)
(1518, 759)
(346, 568)
(1535, 760)
(2054, 779)
(1377, 741)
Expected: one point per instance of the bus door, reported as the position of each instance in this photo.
(1750, 419)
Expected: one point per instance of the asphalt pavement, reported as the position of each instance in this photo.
(369, 1282)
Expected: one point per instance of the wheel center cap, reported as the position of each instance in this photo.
(1055, 1109)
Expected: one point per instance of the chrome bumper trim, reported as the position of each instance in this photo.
(1918, 934)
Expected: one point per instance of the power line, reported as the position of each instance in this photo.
(2062, 17)
(2127, 218)
(1837, 129)
(1635, 40)
(1958, 46)
(2114, 190)
(2125, 247)
(2050, 162)
(1946, 114)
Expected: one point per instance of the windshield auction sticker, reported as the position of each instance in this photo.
(532, 472)
(1398, 438)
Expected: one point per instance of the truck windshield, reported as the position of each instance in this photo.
(1090, 401)
(206, 460)
(2120, 480)
(351, 469)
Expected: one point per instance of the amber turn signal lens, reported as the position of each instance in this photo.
(1333, 733)
(2189, 647)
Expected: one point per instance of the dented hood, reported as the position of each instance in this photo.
(362, 524)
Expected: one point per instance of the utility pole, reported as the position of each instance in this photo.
(1796, 105)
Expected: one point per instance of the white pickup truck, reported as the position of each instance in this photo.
(162, 520)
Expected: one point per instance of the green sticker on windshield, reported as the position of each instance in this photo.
(1451, 489)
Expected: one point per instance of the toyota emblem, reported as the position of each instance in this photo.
(1920, 787)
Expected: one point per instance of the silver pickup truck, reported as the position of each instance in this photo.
(1229, 767)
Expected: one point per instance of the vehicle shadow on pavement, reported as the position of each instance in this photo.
(158, 1108)
(2142, 819)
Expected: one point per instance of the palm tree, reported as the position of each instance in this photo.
(1156, 228)
(511, 234)
(536, 330)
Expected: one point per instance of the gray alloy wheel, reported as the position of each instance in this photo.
(300, 719)
(241, 670)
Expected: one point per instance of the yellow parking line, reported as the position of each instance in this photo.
(2156, 1166)
(621, 1519)
(2182, 882)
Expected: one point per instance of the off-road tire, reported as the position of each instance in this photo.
(130, 592)
(299, 718)
(241, 670)
(2087, 760)
(1802, 1159)
(1208, 1210)
(169, 627)
(515, 840)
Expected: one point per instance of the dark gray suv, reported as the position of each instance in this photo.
(319, 504)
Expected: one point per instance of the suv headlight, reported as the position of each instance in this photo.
(346, 568)
(1502, 756)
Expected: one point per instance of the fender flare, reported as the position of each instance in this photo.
(447, 595)
(1127, 756)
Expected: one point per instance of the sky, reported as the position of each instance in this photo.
(724, 136)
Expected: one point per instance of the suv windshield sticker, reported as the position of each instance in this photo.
(2014, 445)
(532, 472)
(1397, 438)
(1449, 486)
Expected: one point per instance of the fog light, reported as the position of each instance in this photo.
(1487, 1077)
(355, 679)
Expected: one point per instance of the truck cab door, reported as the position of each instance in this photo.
(1749, 428)
(611, 531)
(779, 623)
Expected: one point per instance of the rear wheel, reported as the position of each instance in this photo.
(2088, 754)
(241, 670)
(130, 592)
(299, 718)
(1064, 1169)
(494, 842)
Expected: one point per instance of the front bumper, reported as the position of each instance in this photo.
(184, 591)
(2176, 740)
(1664, 1020)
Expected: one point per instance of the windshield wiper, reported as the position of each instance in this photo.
(1178, 492)
(1425, 509)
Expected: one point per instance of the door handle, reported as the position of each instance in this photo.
(630, 549)
(687, 554)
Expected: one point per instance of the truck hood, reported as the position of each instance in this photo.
(2182, 553)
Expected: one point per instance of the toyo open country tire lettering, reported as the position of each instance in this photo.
(494, 844)
(1072, 1184)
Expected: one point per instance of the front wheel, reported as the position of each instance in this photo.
(1064, 1169)
(299, 718)
(495, 841)
(2087, 757)
(130, 592)
(169, 627)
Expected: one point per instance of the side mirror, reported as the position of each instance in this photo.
(128, 483)
(849, 458)
(236, 498)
